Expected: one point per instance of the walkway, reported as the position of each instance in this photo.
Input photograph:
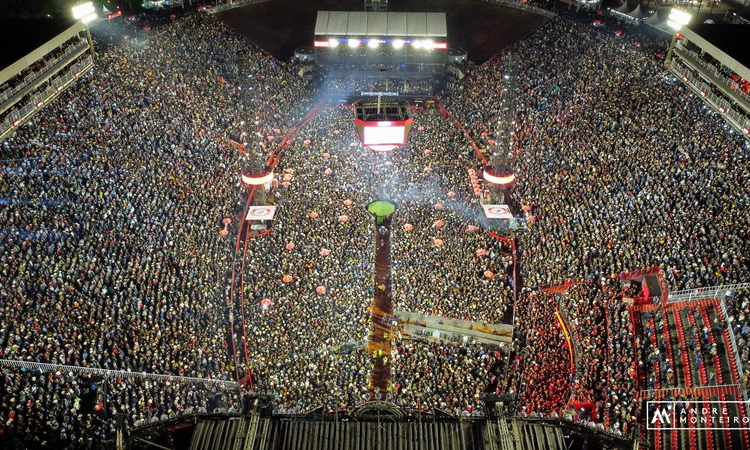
(379, 344)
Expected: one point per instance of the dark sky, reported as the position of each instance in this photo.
(21, 36)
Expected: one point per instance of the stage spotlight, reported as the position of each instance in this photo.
(398, 43)
(353, 43)
(373, 43)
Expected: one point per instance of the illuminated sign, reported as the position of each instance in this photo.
(382, 135)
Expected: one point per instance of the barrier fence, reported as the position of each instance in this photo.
(46, 367)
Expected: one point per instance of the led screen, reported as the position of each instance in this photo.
(383, 135)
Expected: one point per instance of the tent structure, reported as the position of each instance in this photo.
(381, 24)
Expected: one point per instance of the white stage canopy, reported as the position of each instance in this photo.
(381, 24)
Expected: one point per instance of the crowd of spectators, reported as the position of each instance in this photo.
(738, 307)
(353, 85)
(112, 198)
(333, 176)
(541, 370)
(109, 249)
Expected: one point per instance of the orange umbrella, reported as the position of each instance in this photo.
(408, 227)
(488, 274)
(347, 202)
(286, 183)
(420, 128)
(472, 228)
(526, 208)
(265, 303)
(326, 155)
(328, 171)
(320, 289)
(287, 177)
(313, 215)
(226, 221)
(287, 279)
(438, 242)
(306, 141)
(451, 194)
(289, 246)
(481, 252)
(223, 232)
(439, 206)
(428, 169)
(343, 218)
(270, 138)
(336, 131)
(428, 152)
(438, 224)
(324, 252)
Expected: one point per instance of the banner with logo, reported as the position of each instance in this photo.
(497, 212)
(261, 213)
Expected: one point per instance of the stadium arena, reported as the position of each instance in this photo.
(249, 226)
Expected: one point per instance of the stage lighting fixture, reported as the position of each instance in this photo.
(416, 43)
(84, 12)
(677, 18)
(398, 43)
(353, 43)
(373, 43)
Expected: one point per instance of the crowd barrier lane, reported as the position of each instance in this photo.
(46, 367)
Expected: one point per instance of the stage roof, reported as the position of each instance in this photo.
(381, 24)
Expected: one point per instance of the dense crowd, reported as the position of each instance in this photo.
(109, 248)
(354, 85)
(332, 177)
(738, 307)
(113, 196)
(623, 168)
(541, 371)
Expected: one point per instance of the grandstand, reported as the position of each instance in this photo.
(712, 61)
(199, 249)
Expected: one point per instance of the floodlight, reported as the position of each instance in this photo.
(83, 10)
(353, 43)
(373, 43)
(333, 43)
(416, 43)
(398, 43)
(428, 44)
(678, 18)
